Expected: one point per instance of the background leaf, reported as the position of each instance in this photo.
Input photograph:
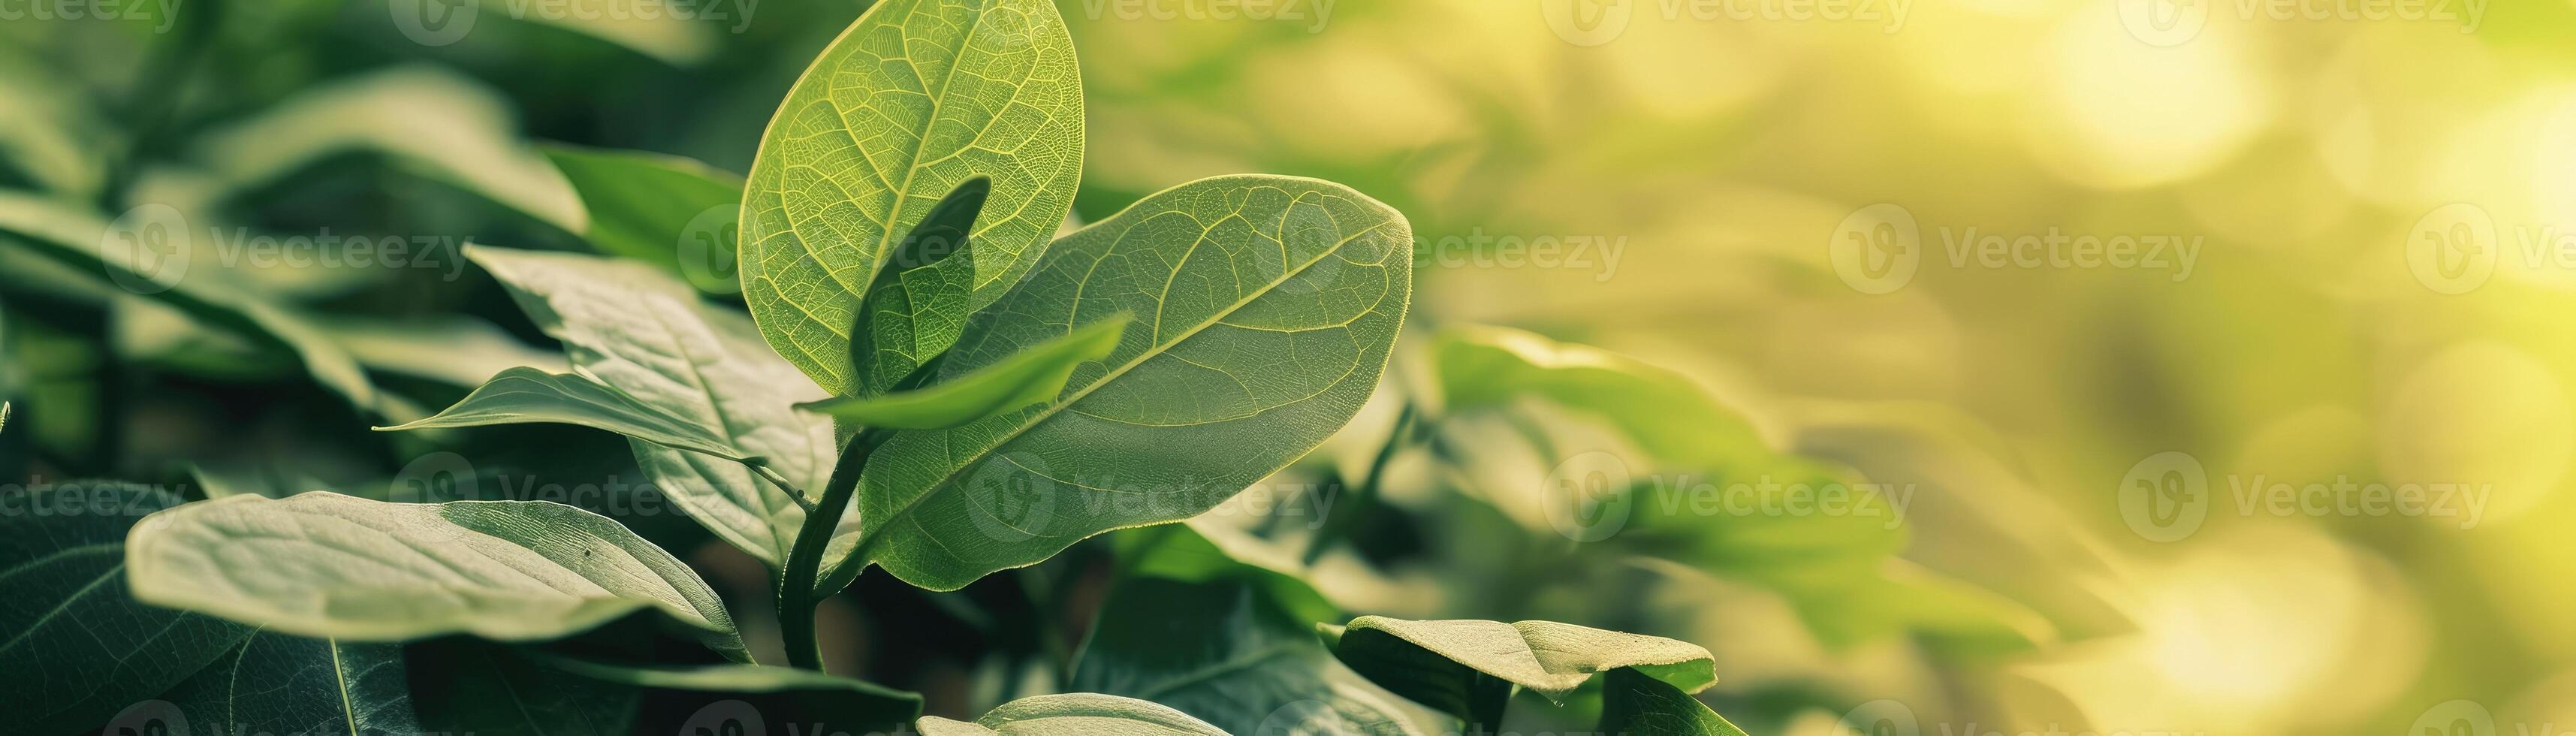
(1078, 714)
(669, 211)
(1223, 652)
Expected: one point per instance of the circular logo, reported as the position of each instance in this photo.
(1587, 22)
(725, 718)
(1883, 718)
(2164, 23)
(1587, 497)
(1014, 496)
(708, 247)
(437, 477)
(148, 718)
(1311, 230)
(152, 245)
(434, 22)
(2453, 248)
(2165, 497)
(1877, 248)
(2455, 718)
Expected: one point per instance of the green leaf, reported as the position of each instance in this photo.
(1226, 654)
(756, 693)
(455, 349)
(1467, 667)
(276, 683)
(669, 211)
(1033, 376)
(644, 333)
(1201, 551)
(340, 566)
(1075, 714)
(129, 253)
(921, 296)
(77, 646)
(528, 395)
(912, 100)
(1633, 702)
(1265, 310)
(467, 686)
(1670, 416)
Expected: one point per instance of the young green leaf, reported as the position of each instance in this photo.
(1634, 702)
(1032, 376)
(525, 395)
(646, 334)
(1074, 714)
(800, 696)
(78, 647)
(276, 683)
(1265, 310)
(921, 296)
(912, 100)
(669, 211)
(1468, 667)
(1226, 654)
(340, 566)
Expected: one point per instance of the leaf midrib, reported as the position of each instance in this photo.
(860, 549)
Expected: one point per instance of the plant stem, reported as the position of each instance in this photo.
(1365, 493)
(796, 594)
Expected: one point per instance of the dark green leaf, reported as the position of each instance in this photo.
(921, 296)
(1033, 376)
(1224, 653)
(669, 211)
(281, 684)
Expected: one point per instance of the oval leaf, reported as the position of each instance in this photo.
(912, 100)
(275, 683)
(1265, 308)
(339, 566)
(1467, 667)
(921, 296)
(1031, 376)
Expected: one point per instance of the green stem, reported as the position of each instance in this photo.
(796, 590)
(1350, 509)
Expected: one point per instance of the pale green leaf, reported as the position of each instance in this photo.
(1075, 714)
(1226, 654)
(1666, 413)
(1200, 550)
(528, 395)
(74, 645)
(1031, 376)
(644, 333)
(346, 567)
(912, 100)
(669, 211)
(1467, 667)
(1265, 308)
(282, 684)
